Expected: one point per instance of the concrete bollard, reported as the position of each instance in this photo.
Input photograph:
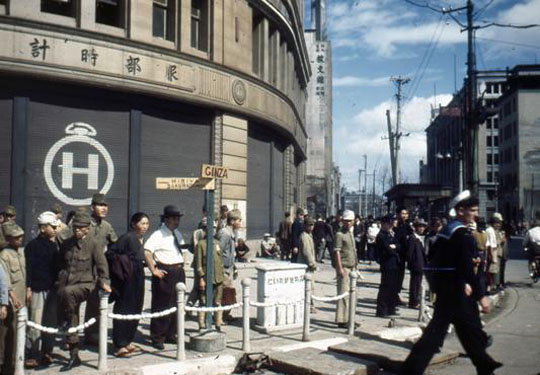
(180, 316)
(246, 345)
(307, 306)
(103, 321)
(22, 317)
(352, 302)
(422, 301)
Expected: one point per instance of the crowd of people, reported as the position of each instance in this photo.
(68, 263)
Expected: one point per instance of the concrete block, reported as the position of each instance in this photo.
(208, 342)
(223, 364)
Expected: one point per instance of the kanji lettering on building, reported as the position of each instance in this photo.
(132, 65)
(320, 79)
(319, 90)
(320, 69)
(171, 73)
(320, 59)
(89, 56)
(39, 49)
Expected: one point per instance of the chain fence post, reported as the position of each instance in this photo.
(180, 316)
(352, 302)
(307, 305)
(246, 345)
(22, 317)
(103, 321)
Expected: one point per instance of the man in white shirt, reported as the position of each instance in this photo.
(164, 257)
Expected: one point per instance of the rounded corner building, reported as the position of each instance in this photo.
(109, 95)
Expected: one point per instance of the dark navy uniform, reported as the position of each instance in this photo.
(454, 307)
(387, 248)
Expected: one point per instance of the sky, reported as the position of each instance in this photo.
(373, 40)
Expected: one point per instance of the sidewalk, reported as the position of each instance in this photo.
(324, 332)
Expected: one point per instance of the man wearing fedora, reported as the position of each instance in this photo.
(164, 257)
(79, 256)
(458, 294)
(416, 260)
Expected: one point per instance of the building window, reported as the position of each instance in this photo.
(258, 41)
(488, 88)
(488, 141)
(200, 25)
(110, 12)
(496, 88)
(62, 8)
(273, 57)
(496, 176)
(495, 141)
(496, 159)
(489, 159)
(495, 123)
(514, 128)
(490, 177)
(163, 19)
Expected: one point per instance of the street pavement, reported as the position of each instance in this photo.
(514, 325)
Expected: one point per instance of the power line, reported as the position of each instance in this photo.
(509, 43)
(423, 5)
(507, 25)
(483, 9)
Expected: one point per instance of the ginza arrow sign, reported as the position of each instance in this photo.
(214, 171)
(184, 183)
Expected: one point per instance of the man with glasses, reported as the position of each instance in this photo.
(79, 256)
(41, 256)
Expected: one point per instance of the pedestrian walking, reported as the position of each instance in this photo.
(296, 231)
(42, 260)
(13, 263)
(126, 266)
(416, 260)
(402, 232)
(228, 238)
(387, 250)
(79, 256)
(345, 263)
(285, 236)
(458, 294)
(306, 253)
(201, 271)
(164, 256)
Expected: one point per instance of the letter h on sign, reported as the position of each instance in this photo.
(68, 170)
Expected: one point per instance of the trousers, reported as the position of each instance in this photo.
(343, 286)
(70, 298)
(463, 313)
(415, 282)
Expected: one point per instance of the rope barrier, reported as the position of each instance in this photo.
(214, 309)
(71, 330)
(330, 299)
(271, 304)
(158, 314)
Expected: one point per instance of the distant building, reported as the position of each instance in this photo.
(319, 166)
(519, 144)
(351, 201)
(445, 150)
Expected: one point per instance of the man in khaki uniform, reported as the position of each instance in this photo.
(345, 261)
(13, 263)
(200, 277)
(80, 255)
(306, 252)
(9, 214)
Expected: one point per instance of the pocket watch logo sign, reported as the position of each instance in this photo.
(68, 153)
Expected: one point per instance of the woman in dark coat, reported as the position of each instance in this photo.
(126, 266)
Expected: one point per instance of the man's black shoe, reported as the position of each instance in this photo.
(158, 345)
(74, 361)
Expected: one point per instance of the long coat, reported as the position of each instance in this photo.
(416, 258)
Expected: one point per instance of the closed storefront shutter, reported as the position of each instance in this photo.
(173, 144)
(6, 106)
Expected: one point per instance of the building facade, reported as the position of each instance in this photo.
(445, 148)
(108, 95)
(519, 144)
(319, 186)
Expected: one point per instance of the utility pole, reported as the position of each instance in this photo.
(399, 82)
(360, 202)
(373, 195)
(392, 149)
(365, 185)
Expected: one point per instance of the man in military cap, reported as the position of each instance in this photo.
(9, 214)
(103, 231)
(56, 208)
(459, 292)
(12, 261)
(387, 250)
(80, 255)
(345, 263)
(306, 252)
(163, 253)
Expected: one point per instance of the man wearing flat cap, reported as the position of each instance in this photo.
(41, 256)
(163, 253)
(345, 263)
(12, 261)
(83, 268)
(9, 214)
(416, 260)
(103, 231)
(458, 293)
(387, 250)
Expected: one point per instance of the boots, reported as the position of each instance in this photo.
(74, 359)
(218, 317)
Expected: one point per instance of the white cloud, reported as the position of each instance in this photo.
(351, 81)
(364, 134)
